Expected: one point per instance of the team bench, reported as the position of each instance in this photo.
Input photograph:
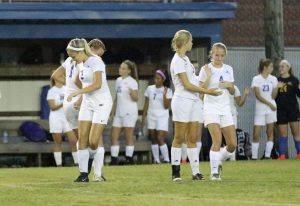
(17, 146)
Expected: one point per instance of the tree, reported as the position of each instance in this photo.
(273, 27)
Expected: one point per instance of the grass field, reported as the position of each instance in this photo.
(270, 183)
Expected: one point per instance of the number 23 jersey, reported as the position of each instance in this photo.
(266, 87)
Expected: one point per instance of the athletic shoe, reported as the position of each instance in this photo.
(281, 157)
(166, 162)
(176, 173)
(83, 177)
(183, 162)
(298, 156)
(90, 164)
(215, 177)
(129, 161)
(114, 161)
(198, 177)
(99, 179)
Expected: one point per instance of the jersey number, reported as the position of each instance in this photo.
(266, 88)
(154, 96)
(71, 71)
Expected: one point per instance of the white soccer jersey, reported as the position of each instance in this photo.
(266, 87)
(156, 101)
(125, 104)
(183, 65)
(71, 73)
(57, 94)
(237, 93)
(95, 99)
(217, 104)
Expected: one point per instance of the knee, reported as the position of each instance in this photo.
(178, 141)
(231, 147)
(93, 144)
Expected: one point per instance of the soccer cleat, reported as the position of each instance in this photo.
(83, 177)
(198, 177)
(281, 157)
(90, 164)
(99, 179)
(183, 161)
(166, 162)
(298, 156)
(129, 161)
(215, 177)
(176, 173)
(114, 161)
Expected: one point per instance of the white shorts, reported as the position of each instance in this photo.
(99, 116)
(222, 120)
(263, 119)
(127, 121)
(58, 125)
(158, 123)
(71, 113)
(185, 110)
(200, 107)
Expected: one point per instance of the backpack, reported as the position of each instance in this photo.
(32, 131)
(243, 150)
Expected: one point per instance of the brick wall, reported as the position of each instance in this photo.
(247, 28)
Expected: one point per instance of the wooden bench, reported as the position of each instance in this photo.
(142, 149)
(17, 146)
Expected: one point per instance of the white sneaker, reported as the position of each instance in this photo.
(98, 178)
(215, 177)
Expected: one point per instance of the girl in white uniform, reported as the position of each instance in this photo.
(125, 111)
(185, 105)
(237, 100)
(265, 87)
(156, 108)
(95, 107)
(217, 112)
(58, 123)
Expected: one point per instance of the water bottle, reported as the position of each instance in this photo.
(5, 137)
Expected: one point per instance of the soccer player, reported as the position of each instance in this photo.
(237, 100)
(288, 108)
(217, 112)
(125, 111)
(265, 87)
(95, 107)
(156, 108)
(58, 123)
(185, 105)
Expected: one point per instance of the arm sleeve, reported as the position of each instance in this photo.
(202, 75)
(180, 67)
(254, 83)
(50, 94)
(146, 94)
(237, 92)
(169, 93)
(134, 85)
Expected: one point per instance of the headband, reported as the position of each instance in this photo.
(74, 48)
(161, 74)
(286, 62)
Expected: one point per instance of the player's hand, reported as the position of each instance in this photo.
(165, 91)
(213, 92)
(280, 85)
(273, 108)
(247, 91)
(70, 97)
(77, 104)
(225, 84)
(207, 70)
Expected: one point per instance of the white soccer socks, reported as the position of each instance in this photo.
(255, 146)
(193, 156)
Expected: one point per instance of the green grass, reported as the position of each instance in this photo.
(270, 183)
